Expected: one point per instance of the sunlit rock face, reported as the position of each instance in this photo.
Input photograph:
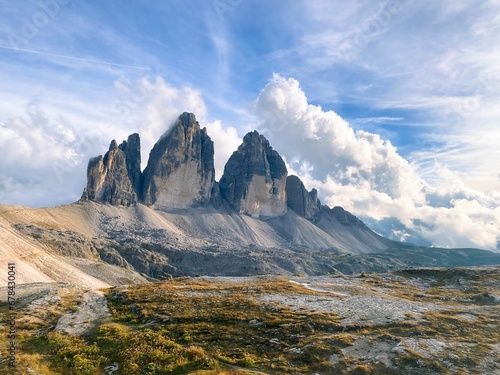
(180, 170)
(116, 177)
(254, 179)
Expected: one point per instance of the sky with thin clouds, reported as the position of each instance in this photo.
(390, 108)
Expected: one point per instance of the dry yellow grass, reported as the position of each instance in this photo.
(211, 326)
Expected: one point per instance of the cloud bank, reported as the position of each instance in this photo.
(152, 105)
(365, 174)
(45, 157)
(45, 154)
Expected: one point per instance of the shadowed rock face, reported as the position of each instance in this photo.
(180, 174)
(344, 217)
(115, 178)
(305, 203)
(254, 179)
(180, 171)
(132, 149)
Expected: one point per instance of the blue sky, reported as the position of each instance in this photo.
(390, 108)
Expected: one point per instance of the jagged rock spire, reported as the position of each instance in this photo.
(180, 171)
(305, 203)
(115, 178)
(254, 179)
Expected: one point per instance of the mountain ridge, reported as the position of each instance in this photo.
(256, 220)
(180, 175)
(97, 245)
(255, 181)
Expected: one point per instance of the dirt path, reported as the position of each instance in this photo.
(93, 308)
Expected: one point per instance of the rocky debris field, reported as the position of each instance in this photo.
(354, 310)
(413, 321)
(92, 309)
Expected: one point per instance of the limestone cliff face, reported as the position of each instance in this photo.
(180, 171)
(254, 179)
(132, 149)
(180, 174)
(116, 177)
(305, 203)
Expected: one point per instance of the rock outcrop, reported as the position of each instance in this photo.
(339, 215)
(180, 171)
(116, 177)
(305, 203)
(180, 174)
(132, 149)
(254, 179)
(216, 198)
(343, 217)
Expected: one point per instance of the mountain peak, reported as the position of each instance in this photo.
(253, 135)
(254, 179)
(187, 119)
(113, 145)
(115, 178)
(180, 171)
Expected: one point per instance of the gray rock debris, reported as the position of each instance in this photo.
(93, 308)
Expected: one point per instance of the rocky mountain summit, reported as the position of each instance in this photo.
(116, 177)
(180, 175)
(254, 179)
(180, 171)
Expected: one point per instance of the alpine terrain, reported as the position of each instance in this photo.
(168, 271)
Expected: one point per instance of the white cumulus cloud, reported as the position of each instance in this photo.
(365, 174)
(152, 106)
(44, 158)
